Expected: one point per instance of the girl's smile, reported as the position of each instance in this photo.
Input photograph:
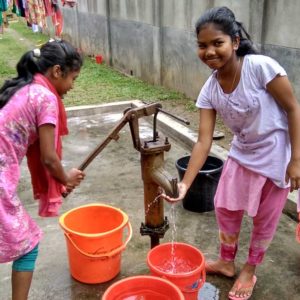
(215, 48)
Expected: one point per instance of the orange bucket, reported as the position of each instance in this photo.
(188, 263)
(143, 287)
(94, 237)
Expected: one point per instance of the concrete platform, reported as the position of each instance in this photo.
(114, 178)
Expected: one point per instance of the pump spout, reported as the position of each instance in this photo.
(155, 178)
(164, 180)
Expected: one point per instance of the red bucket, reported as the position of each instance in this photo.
(99, 59)
(298, 233)
(143, 287)
(188, 263)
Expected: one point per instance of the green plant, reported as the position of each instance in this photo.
(97, 83)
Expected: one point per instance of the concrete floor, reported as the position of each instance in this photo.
(114, 178)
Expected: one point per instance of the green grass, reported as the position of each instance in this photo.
(10, 53)
(16, 40)
(96, 84)
(26, 33)
(100, 83)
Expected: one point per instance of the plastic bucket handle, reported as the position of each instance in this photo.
(199, 282)
(104, 255)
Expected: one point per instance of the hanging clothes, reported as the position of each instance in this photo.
(57, 18)
(1, 23)
(48, 7)
(36, 12)
(70, 3)
(15, 9)
(3, 7)
(19, 8)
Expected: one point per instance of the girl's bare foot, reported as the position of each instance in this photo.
(245, 283)
(221, 267)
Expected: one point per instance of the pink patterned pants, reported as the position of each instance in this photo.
(265, 223)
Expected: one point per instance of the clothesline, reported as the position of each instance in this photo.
(36, 11)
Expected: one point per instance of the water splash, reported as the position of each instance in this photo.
(176, 265)
(208, 292)
(145, 295)
(151, 203)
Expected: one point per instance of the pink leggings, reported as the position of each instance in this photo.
(265, 223)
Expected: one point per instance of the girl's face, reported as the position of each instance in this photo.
(65, 82)
(215, 48)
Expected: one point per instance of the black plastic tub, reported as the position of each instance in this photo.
(200, 196)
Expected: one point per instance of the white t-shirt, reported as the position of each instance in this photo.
(261, 141)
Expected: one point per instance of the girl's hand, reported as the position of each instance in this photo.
(75, 177)
(182, 190)
(293, 174)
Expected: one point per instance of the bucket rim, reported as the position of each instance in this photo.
(144, 277)
(93, 235)
(217, 170)
(177, 275)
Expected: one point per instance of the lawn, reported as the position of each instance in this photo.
(97, 83)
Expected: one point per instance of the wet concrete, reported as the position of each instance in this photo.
(114, 178)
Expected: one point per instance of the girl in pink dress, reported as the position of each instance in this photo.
(32, 121)
(253, 96)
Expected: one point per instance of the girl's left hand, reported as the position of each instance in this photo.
(293, 174)
(182, 190)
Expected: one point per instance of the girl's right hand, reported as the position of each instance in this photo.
(75, 177)
(182, 190)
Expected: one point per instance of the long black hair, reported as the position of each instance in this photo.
(224, 19)
(54, 52)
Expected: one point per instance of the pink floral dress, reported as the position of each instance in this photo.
(31, 106)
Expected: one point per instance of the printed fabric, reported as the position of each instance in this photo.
(47, 189)
(20, 7)
(261, 140)
(3, 5)
(36, 13)
(30, 107)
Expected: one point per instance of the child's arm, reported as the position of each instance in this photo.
(200, 152)
(51, 160)
(202, 146)
(281, 90)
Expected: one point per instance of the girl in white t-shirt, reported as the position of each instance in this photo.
(253, 96)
